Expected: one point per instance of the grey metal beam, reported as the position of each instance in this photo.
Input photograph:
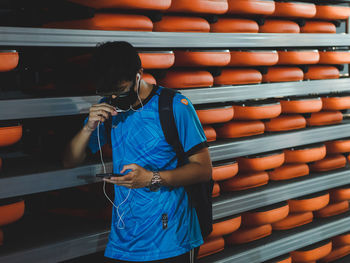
(282, 242)
(19, 36)
(238, 202)
(49, 107)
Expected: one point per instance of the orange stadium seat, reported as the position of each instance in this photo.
(170, 23)
(210, 133)
(294, 9)
(238, 76)
(298, 57)
(312, 252)
(149, 78)
(107, 21)
(202, 58)
(253, 58)
(11, 211)
(234, 25)
(224, 170)
(333, 209)
(251, 7)
(281, 259)
(324, 118)
(336, 253)
(244, 181)
(332, 12)
(8, 60)
(182, 79)
(293, 220)
(285, 123)
(10, 134)
(261, 162)
(279, 26)
(156, 59)
(248, 234)
(211, 246)
(126, 4)
(225, 227)
(330, 162)
(283, 74)
(199, 6)
(305, 153)
(210, 115)
(301, 105)
(265, 215)
(336, 102)
(318, 27)
(257, 110)
(321, 72)
(341, 240)
(216, 190)
(334, 56)
(289, 171)
(341, 193)
(309, 203)
(237, 129)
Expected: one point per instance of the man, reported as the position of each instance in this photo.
(151, 220)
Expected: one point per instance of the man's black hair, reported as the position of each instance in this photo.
(113, 63)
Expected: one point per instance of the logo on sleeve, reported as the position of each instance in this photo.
(184, 101)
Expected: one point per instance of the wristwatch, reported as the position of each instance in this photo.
(156, 182)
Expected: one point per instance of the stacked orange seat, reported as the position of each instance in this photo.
(256, 110)
(8, 60)
(181, 79)
(312, 253)
(289, 171)
(336, 102)
(324, 118)
(238, 76)
(251, 7)
(330, 162)
(126, 4)
(341, 193)
(279, 26)
(341, 240)
(293, 220)
(336, 253)
(237, 129)
(283, 74)
(156, 59)
(285, 123)
(234, 25)
(305, 154)
(149, 78)
(199, 6)
(10, 134)
(211, 115)
(309, 203)
(298, 57)
(202, 58)
(210, 133)
(301, 105)
(216, 190)
(211, 246)
(337, 56)
(248, 234)
(252, 58)
(225, 227)
(261, 162)
(243, 181)
(170, 23)
(11, 211)
(294, 9)
(265, 215)
(332, 12)
(281, 259)
(321, 72)
(318, 27)
(224, 170)
(333, 209)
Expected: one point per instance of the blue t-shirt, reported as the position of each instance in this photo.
(137, 137)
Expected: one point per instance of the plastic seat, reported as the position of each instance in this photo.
(224, 170)
(294, 9)
(312, 252)
(126, 4)
(340, 193)
(336, 102)
(332, 12)
(236, 76)
(334, 56)
(237, 129)
(298, 57)
(11, 211)
(279, 26)
(336, 253)
(289, 171)
(283, 74)
(106, 21)
(324, 118)
(318, 27)
(225, 227)
(285, 123)
(234, 25)
(199, 6)
(321, 72)
(341, 240)
(248, 234)
(281, 259)
(301, 105)
(215, 114)
(211, 246)
(293, 220)
(309, 203)
(202, 58)
(216, 190)
(156, 59)
(333, 209)
(253, 58)
(244, 181)
(330, 162)
(10, 134)
(261, 162)
(257, 110)
(305, 154)
(251, 7)
(182, 79)
(265, 215)
(149, 78)
(8, 60)
(181, 24)
(210, 133)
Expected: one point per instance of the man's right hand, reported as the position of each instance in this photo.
(99, 113)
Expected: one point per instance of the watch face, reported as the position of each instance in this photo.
(154, 187)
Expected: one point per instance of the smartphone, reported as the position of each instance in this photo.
(108, 175)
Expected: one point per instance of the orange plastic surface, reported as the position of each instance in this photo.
(309, 204)
(10, 135)
(324, 118)
(301, 106)
(336, 103)
(305, 155)
(149, 78)
(336, 253)
(248, 234)
(234, 25)
(199, 6)
(314, 254)
(181, 24)
(211, 246)
(293, 220)
(156, 60)
(237, 129)
(285, 123)
(283, 74)
(253, 58)
(10, 213)
(330, 162)
(333, 209)
(290, 9)
(236, 76)
(8, 61)
(265, 217)
(251, 7)
(215, 115)
(224, 172)
(126, 4)
(210, 133)
(201, 58)
(322, 72)
(260, 163)
(341, 240)
(339, 194)
(244, 181)
(298, 57)
(225, 227)
(182, 79)
(289, 171)
(216, 190)
(257, 112)
(330, 12)
(279, 26)
(334, 57)
(318, 27)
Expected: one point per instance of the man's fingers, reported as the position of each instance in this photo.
(128, 167)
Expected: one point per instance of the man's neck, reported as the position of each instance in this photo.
(144, 91)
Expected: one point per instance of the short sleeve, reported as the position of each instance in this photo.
(188, 125)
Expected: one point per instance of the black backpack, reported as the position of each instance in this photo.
(200, 194)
